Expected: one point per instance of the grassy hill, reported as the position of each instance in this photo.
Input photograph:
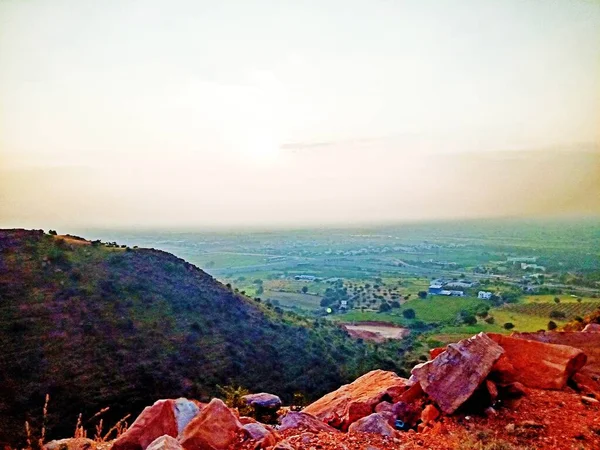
(98, 326)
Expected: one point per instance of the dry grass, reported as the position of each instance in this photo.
(80, 431)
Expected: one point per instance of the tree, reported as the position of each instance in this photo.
(509, 326)
(422, 294)
(384, 307)
(469, 319)
(304, 289)
(259, 290)
(552, 325)
(409, 313)
(556, 300)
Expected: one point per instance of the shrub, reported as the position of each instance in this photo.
(469, 319)
(557, 315)
(489, 319)
(508, 326)
(409, 313)
(232, 396)
(422, 294)
(384, 307)
(552, 325)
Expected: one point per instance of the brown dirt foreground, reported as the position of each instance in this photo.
(556, 420)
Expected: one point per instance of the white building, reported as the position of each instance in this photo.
(484, 295)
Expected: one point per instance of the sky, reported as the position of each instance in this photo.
(189, 113)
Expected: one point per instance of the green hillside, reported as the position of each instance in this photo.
(98, 326)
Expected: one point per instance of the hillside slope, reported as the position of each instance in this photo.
(98, 326)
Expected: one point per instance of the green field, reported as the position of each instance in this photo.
(564, 298)
(292, 299)
(430, 310)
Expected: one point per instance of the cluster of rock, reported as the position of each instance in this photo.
(480, 373)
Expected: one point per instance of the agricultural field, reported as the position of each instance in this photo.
(380, 274)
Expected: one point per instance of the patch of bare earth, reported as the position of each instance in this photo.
(376, 332)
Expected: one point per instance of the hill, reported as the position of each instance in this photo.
(96, 326)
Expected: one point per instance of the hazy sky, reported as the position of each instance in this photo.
(201, 113)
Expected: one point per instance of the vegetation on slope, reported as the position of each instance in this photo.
(96, 326)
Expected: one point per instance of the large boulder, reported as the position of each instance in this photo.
(214, 428)
(154, 421)
(358, 399)
(165, 442)
(588, 343)
(374, 423)
(265, 406)
(263, 400)
(452, 377)
(302, 421)
(537, 364)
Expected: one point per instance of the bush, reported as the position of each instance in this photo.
(557, 315)
(409, 313)
(384, 307)
(552, 325)
(508, 326)
(232, 396)
(422, 294)
(489, 319)
(469, 319)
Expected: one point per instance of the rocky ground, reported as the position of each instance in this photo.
(489, 392)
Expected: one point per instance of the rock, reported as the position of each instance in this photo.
(71, 444)
(358, 399)
(502, 371)
(384, 406)
(284, 445)
(264, 436)
(492, 390)
(374, 423)
(589, 400)
(412, 394)
(154, 421)
(435, 352)
(490, 412)
(215, 428)
(537, 364)
(513, 390)
(165, 442)
(588, 343)
(407, 413)
(304, 421)
(592, 328)
(265, 406)
(244, 420)
(587, 384)
(185, 410)
(263, 400)
(429, 414)
(452, 377)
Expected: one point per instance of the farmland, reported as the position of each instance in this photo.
(536, 271)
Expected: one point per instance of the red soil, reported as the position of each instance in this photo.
(556, 420)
